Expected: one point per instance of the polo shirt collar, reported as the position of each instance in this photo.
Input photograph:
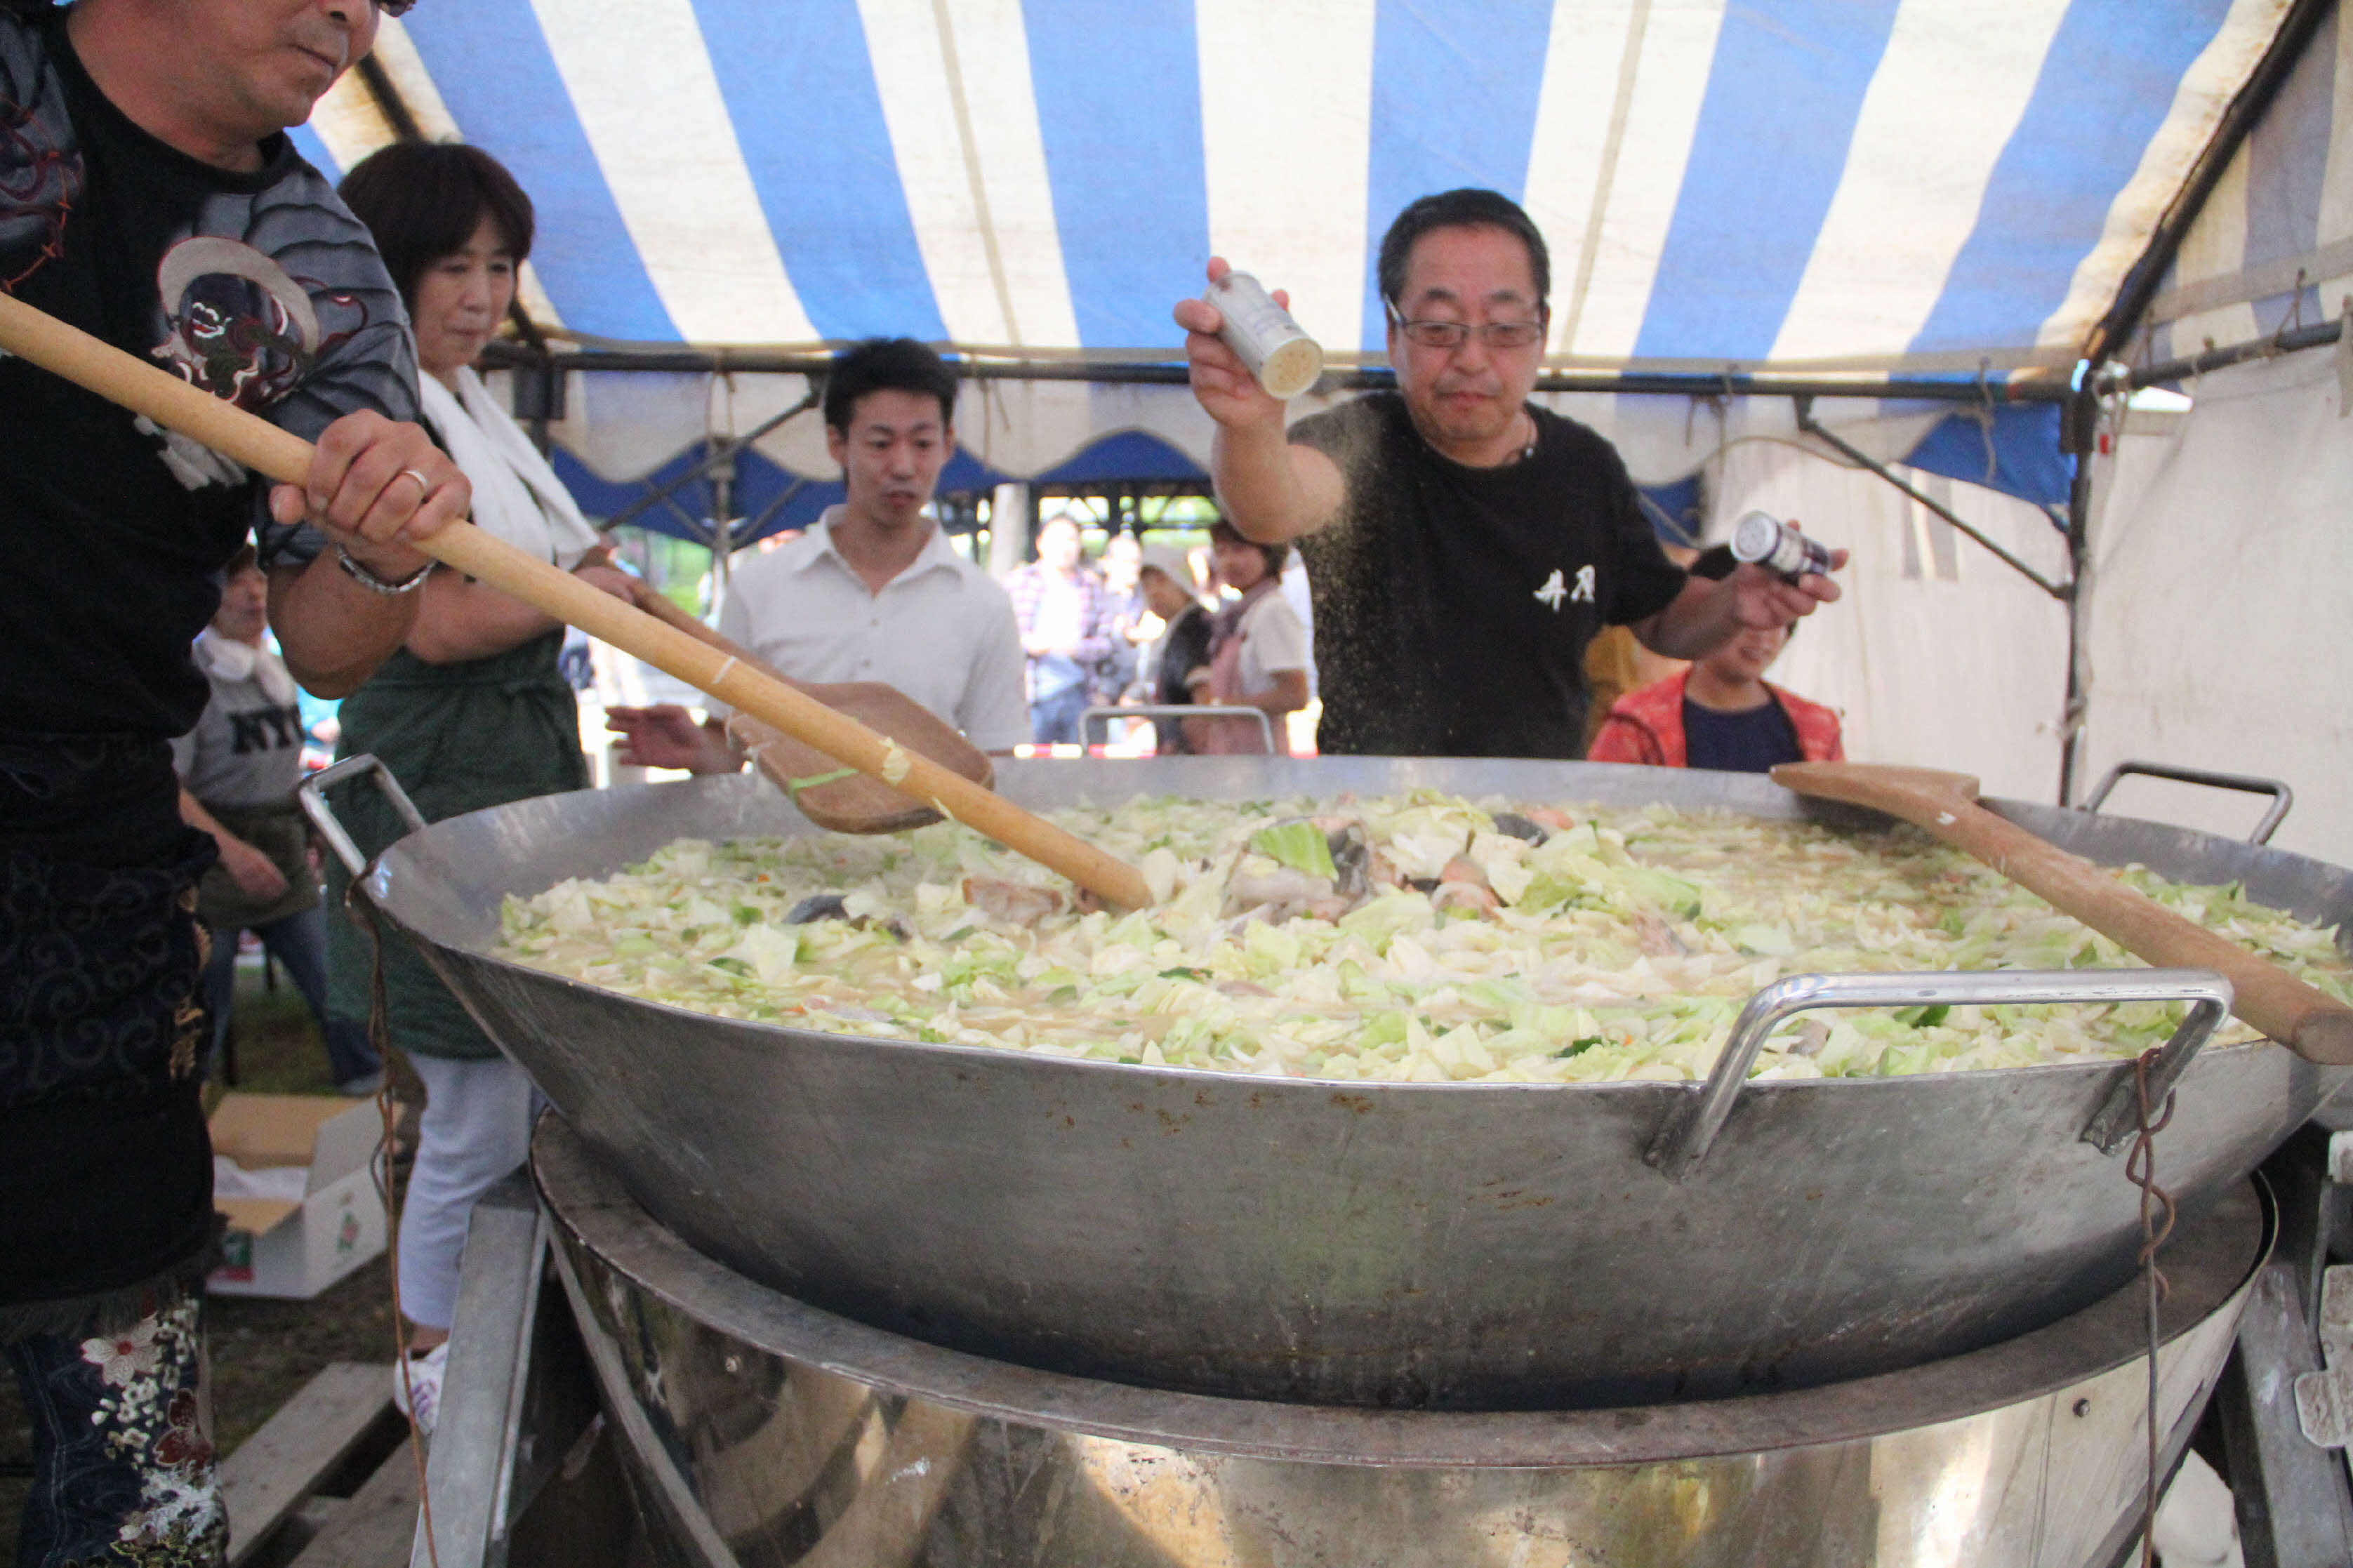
(937, 552)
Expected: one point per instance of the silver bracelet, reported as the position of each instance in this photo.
(366, 577)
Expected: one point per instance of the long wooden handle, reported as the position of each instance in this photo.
(2315, 1026)
(176, 404)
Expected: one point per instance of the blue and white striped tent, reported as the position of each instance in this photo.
(1827, 188)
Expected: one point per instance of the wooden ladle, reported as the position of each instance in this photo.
(2315, 1026)
(176, 405)
(833, 797)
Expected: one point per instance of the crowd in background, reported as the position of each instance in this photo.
(1142, 625)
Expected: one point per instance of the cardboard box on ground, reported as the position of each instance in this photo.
(301, 1206)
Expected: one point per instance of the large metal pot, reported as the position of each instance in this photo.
(1460, 1245)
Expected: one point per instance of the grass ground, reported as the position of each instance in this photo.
(262, 1350)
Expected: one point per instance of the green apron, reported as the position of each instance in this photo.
(278, 832)
(458, 737)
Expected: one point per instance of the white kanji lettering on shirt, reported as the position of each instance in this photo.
(1553, 591)
(1583, 591)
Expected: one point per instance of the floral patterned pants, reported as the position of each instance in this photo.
(123, 1465)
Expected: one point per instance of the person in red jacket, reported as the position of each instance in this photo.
(1720, 713)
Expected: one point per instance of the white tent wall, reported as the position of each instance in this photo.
(2222, 553)
(1938, 654)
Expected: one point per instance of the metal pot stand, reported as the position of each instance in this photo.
(757, 1430)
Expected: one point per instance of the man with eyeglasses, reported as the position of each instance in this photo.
(1462, 544)
(152, 199)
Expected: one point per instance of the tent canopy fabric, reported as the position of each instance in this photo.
(2272, 247)
(1793, 181)
(1943, 187)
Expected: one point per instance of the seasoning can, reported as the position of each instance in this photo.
(1286, 360)
(1777, 547)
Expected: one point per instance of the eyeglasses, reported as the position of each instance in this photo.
(1454, 335)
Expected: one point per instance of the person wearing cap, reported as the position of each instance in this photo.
(1462, 544)
(1177, 664)
(155, 201)
(875, 590)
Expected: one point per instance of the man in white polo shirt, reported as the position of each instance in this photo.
(874, 591)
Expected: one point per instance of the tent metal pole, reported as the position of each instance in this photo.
(661, 495)
(2288, 341)
(752, 528)
(2074, 733)
(721, 465)
(2078, 437)
(708, 464)
(1660, 383)
(1812, 427)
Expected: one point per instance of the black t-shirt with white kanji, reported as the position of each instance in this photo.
(1453, 605)
(261, 288)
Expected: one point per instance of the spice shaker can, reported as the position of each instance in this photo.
(1286, 360)
(1777, 547)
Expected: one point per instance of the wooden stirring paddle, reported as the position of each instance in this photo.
(151, 390)
(837, 798)
(2315, 1026)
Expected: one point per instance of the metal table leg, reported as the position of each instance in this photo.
(2296, 1508)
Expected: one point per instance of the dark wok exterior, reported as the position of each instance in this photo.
(1443, 1245)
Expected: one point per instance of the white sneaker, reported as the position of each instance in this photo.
(423, 1383)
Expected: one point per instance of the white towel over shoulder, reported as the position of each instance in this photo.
(516, 495)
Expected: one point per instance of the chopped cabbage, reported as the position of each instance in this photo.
(1619, 947)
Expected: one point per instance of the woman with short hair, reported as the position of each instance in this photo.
(472, 711)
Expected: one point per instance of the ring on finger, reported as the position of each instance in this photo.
(424, 485)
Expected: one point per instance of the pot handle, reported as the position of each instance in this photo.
(2282, 796)
(1684, 1137)
(312, 793)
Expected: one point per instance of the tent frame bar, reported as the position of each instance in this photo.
(1819, 432)
(2318, 334)
(1656, 383)
(721, 456)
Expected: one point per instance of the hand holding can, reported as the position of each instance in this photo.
(1283, 358)
(1779, 547)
